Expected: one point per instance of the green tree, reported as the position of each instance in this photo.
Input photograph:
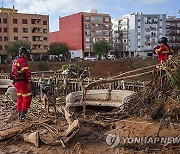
(13, 47)
(59, 48)
(101, 48)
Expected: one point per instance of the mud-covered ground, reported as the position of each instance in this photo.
(92, 136)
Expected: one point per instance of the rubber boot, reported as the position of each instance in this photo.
(19, 116)
(23, 116)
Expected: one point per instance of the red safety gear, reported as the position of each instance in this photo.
(22, 78)
(163, 52)
(23, 96)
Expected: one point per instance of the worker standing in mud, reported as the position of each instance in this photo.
(21, 77)
(163, 50)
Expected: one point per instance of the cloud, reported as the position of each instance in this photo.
(119, 8)
(142, 2)
(56, 6)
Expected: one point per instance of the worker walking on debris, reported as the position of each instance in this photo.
(22, 81)
(163, 50)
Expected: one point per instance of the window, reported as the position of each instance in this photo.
(0, 29)
(0, 39)
(15, 21)
(25, 30)
(25, 39)
(87, 46)
(35, 21)
(24, 21)
(107, 26)
(45, 46)
(5, 30)
(5, 39)
(45, 30)
(98, 32)
(87, 25)
(44, 22)
(15, 30)
(87, 32)
(36, 38)
(0, 20)
(1, 47)
(107, 40)
(107, 19)
(106, 33)
(96, 18)
(45, 38)
(87, 39)
(5, 21)
(87, 18)
(15, 38)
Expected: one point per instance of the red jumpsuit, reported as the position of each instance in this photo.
(163, 52)
(22, 78)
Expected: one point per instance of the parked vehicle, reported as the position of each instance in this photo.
(111, 57)
(90, 58)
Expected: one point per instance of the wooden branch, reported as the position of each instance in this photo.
(136, 70)
(10, 132)
(102, 81)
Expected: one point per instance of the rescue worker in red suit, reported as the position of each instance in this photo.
(22, 81)
(163, 50)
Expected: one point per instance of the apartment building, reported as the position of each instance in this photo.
(136, 34)
(173, 32)
(81, 30)
(28, 27)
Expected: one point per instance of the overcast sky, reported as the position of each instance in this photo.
(116, 8)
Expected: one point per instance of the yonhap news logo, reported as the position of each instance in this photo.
(114, 140)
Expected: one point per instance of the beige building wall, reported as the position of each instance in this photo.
(28, 27)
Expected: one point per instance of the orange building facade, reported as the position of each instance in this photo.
(16, 26)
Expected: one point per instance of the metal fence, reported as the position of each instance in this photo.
(61, 85)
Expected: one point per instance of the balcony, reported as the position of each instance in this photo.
(87, 27)
(150, 22)
(107, 28)
(36, 38)
(173, 34)
(86, 20)
(173, 27)
(153, 29)
(36, 21)
(147, 29)
(97, 27)
(36, 30)
(174, 41)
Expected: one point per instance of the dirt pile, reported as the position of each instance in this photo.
(161, 96)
